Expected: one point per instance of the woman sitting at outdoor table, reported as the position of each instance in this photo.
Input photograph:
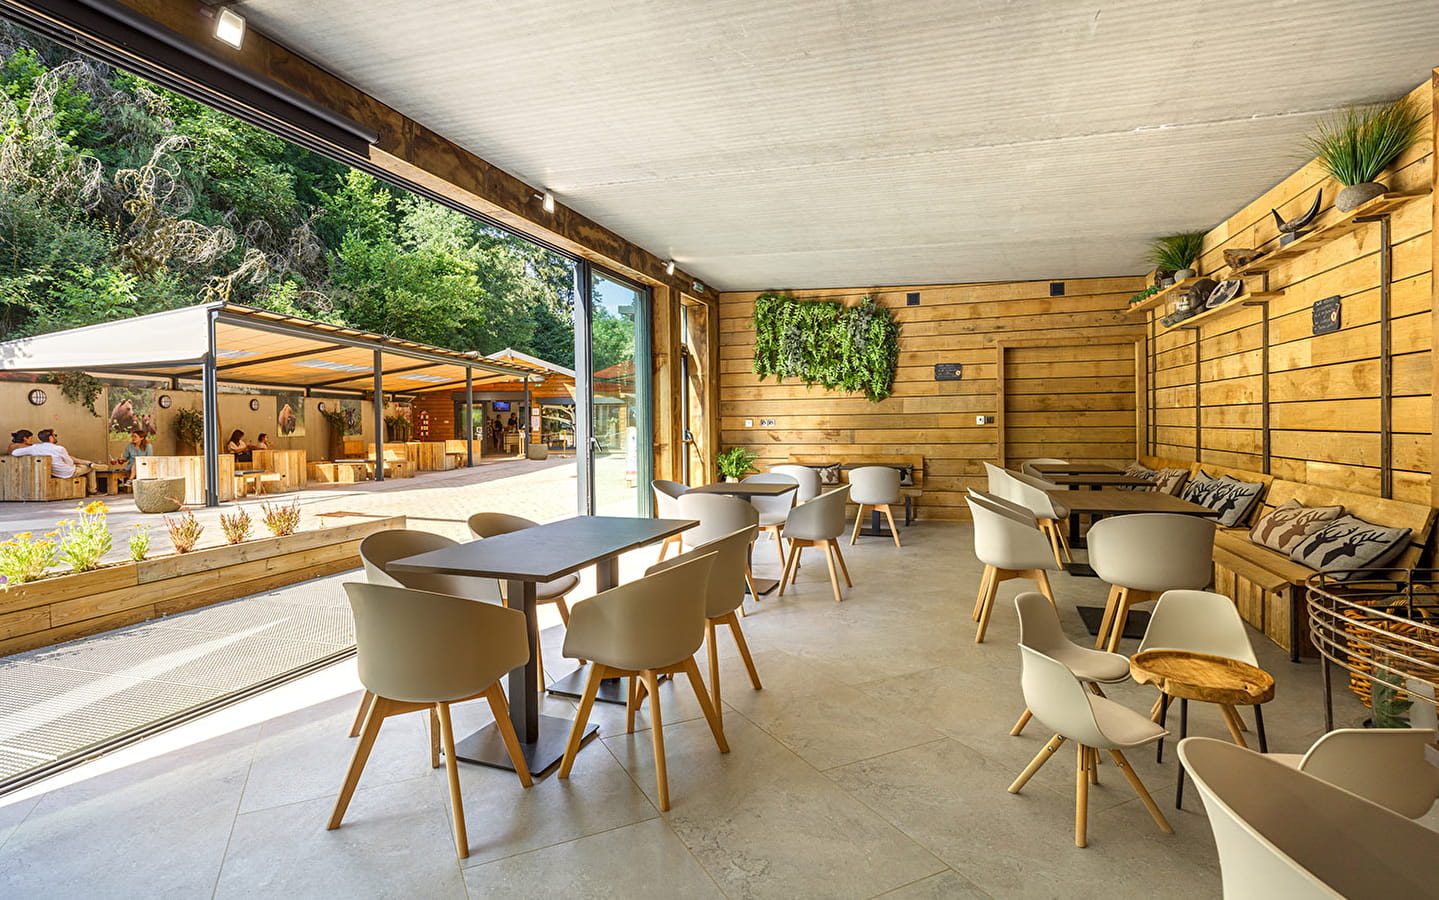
(238, 446)
(139, 446)
(22, 438)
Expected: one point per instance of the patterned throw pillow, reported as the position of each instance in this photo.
(828, 474)
(1234, 499)
(1138, 470)
(906, 475)
(1169, 481)
(1201, 485)
(1350, 543)
(1286, 525)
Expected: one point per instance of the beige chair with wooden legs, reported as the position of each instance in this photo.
(1061, 703)
(1029, 467)
(1201, 622)
(422, 651)
(808, 478)
(642, 630)
(1141, 556)
(1009, 543)
(1033, 494)
(724, 595)
(1386, 766)
(492, 524)
(818, 523)
(380, 549)
(667, 494)
(773, 511)
(1284, 833)
(1039, 629)
(719, 516)
(876, 487)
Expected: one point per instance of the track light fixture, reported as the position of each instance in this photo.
(230, 27)
(547, 201)
(670, 267)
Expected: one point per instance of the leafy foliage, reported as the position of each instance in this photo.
(281, 518)
(184, 531)
(1176, 251)
(1357, 145)
(826, 343)
(189, 426)
(736, 462)
(80, 388)
(86, 538)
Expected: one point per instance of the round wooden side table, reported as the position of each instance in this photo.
(1185, 675)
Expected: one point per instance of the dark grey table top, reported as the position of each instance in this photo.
(545, 552)
(1098, 478)
(1048, 469)
(745, 488)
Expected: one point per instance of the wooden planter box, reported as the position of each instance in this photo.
(290, 465)
(192, 469)
(66, 607)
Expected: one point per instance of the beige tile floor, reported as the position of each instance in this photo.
(874, 762)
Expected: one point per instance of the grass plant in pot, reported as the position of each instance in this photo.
(1176, 253)
(735, 463)
(1356, 146)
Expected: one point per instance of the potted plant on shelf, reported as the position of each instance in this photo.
(1359, 144)
(1176, 253)
(735, 463)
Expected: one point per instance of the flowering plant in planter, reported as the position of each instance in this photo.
(282, 518)
(86, 538)
(236, 527)
(140, 542)
(25, 557)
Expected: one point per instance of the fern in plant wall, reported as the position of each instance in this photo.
(854, 348)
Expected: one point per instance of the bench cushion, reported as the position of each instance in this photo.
(1349, 543)
(1291, 522)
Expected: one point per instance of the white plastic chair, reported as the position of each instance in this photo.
(818, 523)
(773, 511)
(1033, 494)
(718, 516)
(808, 478)
(1383, 765)
(1029, 467)
(667, 494)
(1094, 723)
(1283, 833)
(1010, 545)
(876, 487)
(1039, 629)
(1141, 556)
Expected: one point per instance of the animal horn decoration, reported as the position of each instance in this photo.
(1293, 225)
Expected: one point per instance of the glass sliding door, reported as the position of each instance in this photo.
(616, 350)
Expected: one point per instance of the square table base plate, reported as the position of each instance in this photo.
(485, 747)
(612, 690)
(1134, 626)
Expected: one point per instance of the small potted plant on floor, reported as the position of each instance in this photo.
(1359, 144)
(735, 463)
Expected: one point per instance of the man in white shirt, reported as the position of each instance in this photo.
(62, 464)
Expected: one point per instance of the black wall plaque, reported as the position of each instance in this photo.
(948, 372)
(1326, 315)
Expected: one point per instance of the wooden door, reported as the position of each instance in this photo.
(1079, 401)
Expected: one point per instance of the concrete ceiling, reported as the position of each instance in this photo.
(824, 143)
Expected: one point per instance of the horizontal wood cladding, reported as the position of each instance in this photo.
(71, 606)
(1326, 415)
(1068, 383)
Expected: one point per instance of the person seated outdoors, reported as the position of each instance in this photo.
(263, 442)
(62, 464)
(239, 446)
(139, 446)
(22, 438)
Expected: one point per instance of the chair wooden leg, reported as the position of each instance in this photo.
(1093, 765)
(739, 640)
(711, 711)
(749, 583)
(1111, 609)
(632, 702)
(858, 520)
(1050, 747)
(1059, 528)
(1018, 728)
(368, 732)
(434, 718)
(843, 569)
(987, 609)
(1138, 786)
(1231, 718)
(713, 653)
(452, 774)
(657, 737)
(983, 590)
(1081, 798)
(361, 713)
(1047, 526)
(778, 544)
(1121, 618)
(564, 611)
(833, 573)
(894, 532)
(582, 717)
(787, 576)
(501, 708)
(1041, 578)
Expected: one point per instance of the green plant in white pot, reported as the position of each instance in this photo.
(735, 463)
(1177, 253)
(1357, 145)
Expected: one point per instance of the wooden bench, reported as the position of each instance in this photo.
(916, 464)
(329, 472)
(29, 478)
(1268, 586)
(253, 481)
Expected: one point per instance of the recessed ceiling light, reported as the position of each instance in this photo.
(230, 28)
(331, 366)
(431, 379)
(233, 354)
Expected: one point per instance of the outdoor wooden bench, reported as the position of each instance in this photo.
(846, 463)
(29, 478)
(253, 481)
(339, 472)
(1268, 586)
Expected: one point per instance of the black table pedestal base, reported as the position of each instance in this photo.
(1093, 617)
(485, 747)
(612, 690)
(763, 585)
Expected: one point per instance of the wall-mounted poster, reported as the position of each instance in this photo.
(131, 409)
(351, 409)
(290, 421)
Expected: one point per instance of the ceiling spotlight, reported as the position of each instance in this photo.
(670, 267)
(547, 200)
(230, 27)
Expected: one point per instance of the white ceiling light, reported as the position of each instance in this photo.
(230, 27)
(547, 200)
(233, 354)
(331, 366)
(431, 379)
(670, 267)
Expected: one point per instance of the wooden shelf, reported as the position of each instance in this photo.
(1159, 297)
(1238, 302)
(1325, 233)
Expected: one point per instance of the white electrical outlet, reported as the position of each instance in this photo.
(984, 420)
(749, 423)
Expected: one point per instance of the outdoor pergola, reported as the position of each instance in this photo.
(230, 343)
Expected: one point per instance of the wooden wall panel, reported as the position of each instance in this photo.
(1324, 391)
(1069, 383)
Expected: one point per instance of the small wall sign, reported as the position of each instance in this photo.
(1326, 315)
(948, 372)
